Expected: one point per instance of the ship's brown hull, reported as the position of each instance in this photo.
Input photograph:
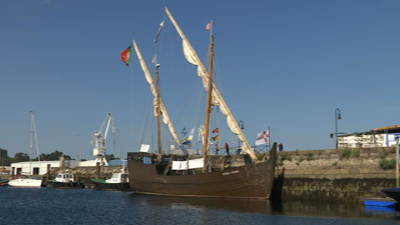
(249, 181)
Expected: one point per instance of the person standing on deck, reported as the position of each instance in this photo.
(280, 146)
(227, 149)
(217, 148)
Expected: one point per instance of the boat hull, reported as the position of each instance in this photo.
(3, 183)
(25, 183)
(249, 181)
(102, 185)
(393, 193)
(64, 185)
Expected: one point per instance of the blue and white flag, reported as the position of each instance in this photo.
(189, 138)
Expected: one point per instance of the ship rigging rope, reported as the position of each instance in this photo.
(132, 98)
(177, 66)
(148, 117)
(159, 47)
(216, 80)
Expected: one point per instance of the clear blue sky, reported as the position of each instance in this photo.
(283, 64)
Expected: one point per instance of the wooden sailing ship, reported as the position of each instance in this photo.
(153, 174)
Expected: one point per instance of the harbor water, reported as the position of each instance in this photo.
(89, 206)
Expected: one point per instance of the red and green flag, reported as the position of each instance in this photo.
(126, 55)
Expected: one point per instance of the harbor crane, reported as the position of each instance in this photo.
(99, 140)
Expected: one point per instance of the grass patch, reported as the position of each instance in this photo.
(356, 153)
(346, 153)
(309, 156)
(285, 156)
(384, 154)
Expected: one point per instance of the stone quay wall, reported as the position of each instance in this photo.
(333, 174)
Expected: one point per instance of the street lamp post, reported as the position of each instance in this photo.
(120, 150)
(80, 144)
(337, 117)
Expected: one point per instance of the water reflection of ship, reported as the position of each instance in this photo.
(273, 207)
(237, 205)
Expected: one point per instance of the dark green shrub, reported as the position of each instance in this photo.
(334, 164)
(261, 157)
(387, 164)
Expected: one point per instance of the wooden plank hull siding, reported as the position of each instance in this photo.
(248, 181)
(338, 189)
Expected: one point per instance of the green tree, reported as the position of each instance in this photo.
(4, 159)
(21, 157)
(53, 156)
(3, 153)
(110, 157)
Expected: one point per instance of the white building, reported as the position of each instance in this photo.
(380, 137)
(40, 167)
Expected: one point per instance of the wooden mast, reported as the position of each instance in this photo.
(158, 110)
(208, 108)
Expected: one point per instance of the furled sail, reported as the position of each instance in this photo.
(149, 78)
(217, 99)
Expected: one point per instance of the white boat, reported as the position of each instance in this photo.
(24, 180)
